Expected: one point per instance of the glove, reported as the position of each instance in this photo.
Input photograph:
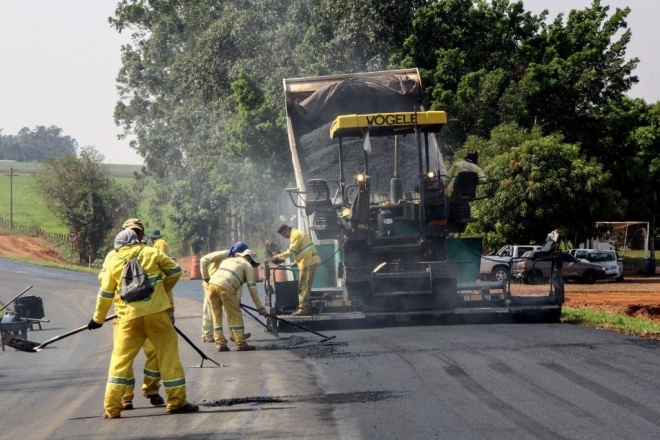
(93, 325)
(276, 260)
(170, 313)
(262, 311)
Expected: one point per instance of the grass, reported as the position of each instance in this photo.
(612, 322)
(27, 207)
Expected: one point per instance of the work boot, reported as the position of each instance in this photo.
(247, 335)
(205, 339)
(301, 312)
(111, 416)
(246, 348)
(187, 408)
(155, 399)
(223, 348)
(127, 405)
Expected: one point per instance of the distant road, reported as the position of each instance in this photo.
(531, 381)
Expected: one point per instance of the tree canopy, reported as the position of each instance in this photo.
(201, 91)
(81, 193)
(36, 145)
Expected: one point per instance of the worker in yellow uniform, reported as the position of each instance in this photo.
(469, 163)
(151, 372)
(149, 318)
(209, 263)
(222, 287)
(306, 258)
(159, 242)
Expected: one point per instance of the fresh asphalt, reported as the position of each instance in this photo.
(500, 381)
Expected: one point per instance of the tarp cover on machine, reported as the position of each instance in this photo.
(314, 103)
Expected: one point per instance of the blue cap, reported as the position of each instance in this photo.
(239, 246)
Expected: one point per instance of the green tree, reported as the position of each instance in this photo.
(36, 145)
(491, 62)
(81, 193)
(545, 184)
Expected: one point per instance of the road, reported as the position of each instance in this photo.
(517, 381)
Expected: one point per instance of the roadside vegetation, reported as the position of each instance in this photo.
(626, 325)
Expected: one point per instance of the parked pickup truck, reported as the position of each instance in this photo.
(497, 266)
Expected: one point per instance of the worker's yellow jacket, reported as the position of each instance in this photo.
(301, 249)
(232, 273)
(209, 263)
(163, 274)
(462, 165)
(162, 246)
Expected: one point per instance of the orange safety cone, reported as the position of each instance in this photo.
(195, 271)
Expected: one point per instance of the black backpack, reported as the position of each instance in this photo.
(135, 285)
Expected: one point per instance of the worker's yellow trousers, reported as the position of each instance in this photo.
(305, 287)
(151, 380)
(207, 316)
(219, 298)
(130, 336)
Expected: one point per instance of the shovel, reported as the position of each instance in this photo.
(35, 347)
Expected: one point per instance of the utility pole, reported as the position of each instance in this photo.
(11, 197)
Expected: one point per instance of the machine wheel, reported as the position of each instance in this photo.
(618, 279)
(589, 277)
(535, 277)
(500, 273)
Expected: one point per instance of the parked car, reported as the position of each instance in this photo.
(495, 266)
(536, 266)
(610, 260)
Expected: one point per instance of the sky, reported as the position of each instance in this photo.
(59, 60)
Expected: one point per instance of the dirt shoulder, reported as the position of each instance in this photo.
(28, 247)
(636, 296)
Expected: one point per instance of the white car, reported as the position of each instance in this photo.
(610, 260)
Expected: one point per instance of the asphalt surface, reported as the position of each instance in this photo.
(500, 381)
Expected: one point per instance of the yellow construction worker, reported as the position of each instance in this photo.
(469, 163)
(149, 318)
(151, 372)
(159, 242)
(222, 288)
(306, 258)
(209, 263)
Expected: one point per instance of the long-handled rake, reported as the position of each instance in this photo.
(201, 353)
(35, 347)
(325, 338)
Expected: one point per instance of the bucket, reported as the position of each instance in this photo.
(279, 274)
(30, 304)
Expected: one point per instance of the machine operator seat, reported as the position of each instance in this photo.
(464, 192)
(317, 196)
(465, 187)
